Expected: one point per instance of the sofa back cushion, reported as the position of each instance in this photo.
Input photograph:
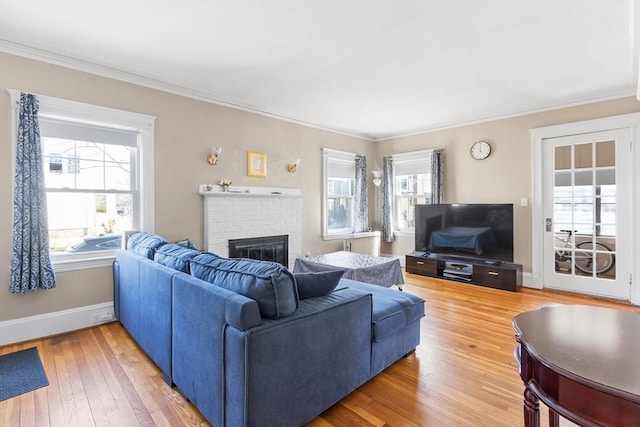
(270, 284)
(145, 244)
(175, 256)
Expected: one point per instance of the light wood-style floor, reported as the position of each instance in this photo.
(462, 374)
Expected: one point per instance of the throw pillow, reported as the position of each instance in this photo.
(317, 284)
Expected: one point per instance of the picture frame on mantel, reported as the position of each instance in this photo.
(256, 164)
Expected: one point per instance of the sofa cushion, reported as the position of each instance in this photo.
(175, 256)
(145, 244)
(270, 284)
(317, 284)
(392, 309)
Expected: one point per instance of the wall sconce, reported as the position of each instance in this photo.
(293, 167)
(376, 178)
(212, 158)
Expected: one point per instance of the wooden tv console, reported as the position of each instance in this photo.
(494, 274)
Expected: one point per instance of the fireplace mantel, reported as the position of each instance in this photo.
(215, 190)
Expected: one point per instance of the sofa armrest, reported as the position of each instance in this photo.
(196, 299)
(288, 371)
(241, 312)
(201, 314)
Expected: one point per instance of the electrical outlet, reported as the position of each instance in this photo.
(102, 317)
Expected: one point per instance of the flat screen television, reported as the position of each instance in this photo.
(482, 231)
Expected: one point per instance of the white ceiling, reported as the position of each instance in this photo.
(374, 69)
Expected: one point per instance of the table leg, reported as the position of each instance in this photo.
(531, 409)
(554, 418)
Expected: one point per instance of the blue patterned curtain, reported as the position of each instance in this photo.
(31, 267)
(437, 176)
(387, 199)
(360, 199)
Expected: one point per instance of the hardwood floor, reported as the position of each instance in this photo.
(462, 374)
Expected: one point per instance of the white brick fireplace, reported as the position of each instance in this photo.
(246, 212)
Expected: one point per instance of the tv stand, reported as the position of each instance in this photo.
(484, 272)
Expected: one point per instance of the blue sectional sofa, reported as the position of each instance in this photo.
(237, 340)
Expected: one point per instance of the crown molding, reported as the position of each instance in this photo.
(527, 110)
(102, 70)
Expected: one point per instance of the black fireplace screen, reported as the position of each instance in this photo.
(269, 248)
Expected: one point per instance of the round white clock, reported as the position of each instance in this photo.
(480, 150)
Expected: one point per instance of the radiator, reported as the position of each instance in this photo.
(364, 243)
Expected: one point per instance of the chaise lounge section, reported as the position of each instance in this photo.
(238, 341)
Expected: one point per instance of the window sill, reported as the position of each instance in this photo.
(398, 233)
(351, 235)
(73, 262)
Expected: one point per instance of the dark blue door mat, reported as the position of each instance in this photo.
(21, 372)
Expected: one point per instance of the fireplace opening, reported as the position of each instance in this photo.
(269, 248)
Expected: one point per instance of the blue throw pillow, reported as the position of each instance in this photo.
(317, 284)
(175, 256)
(145, 244)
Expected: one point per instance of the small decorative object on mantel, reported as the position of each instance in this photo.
(256, 164)
(224, 183)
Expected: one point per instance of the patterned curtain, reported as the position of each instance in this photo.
(31, 267)
(360, 199)
(387, 199)
(437, 176)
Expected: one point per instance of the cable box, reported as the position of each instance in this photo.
(458, 268)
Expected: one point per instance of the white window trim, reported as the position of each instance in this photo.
(103, 116)
(399, 159)
(336, 154)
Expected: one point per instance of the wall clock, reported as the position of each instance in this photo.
(480, 150)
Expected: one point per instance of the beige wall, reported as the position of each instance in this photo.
(186, 128)
(505, 176)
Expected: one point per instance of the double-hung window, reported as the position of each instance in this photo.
(339, 189)
(412, 185)
(98, 173)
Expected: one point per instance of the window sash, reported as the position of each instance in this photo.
(339, 184)
(412, 177)
(335, 221)
(405, 198)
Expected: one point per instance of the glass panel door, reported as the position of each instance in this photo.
(583, 219)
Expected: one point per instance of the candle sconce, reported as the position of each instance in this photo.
(212, 158)
(293, 167)
(377, 175)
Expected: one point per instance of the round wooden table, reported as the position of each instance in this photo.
(582, 362)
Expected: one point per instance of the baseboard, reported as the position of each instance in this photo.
(400, 257)
(58, 322)
(528, 282)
